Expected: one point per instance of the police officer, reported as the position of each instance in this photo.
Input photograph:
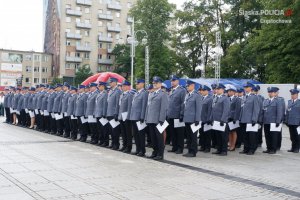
(20, 107)
(239, 130)
(156, 113)
(100, 112)
(6, 104)
(213, 132)
(57, 109)
(15, 100)
(261, 99)
(137, 115)
(191, 115)
(30, 106)
(249, 115)
(89, 113)
(80, 108)
(175, 112)
(113, 111)
(293, 120)
(220, 113)
(206, 114)
(44, 111)
(63, 111)
(124, 114)
(39, 112)
(52, 129)
(231, 90)
(70, 112)
(282, 101)
(26, 110)
(272, 112)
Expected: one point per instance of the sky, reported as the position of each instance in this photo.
(21, 23)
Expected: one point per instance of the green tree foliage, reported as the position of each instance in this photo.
(82, 73)
(122, 60)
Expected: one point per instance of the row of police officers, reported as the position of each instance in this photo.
(218, 116)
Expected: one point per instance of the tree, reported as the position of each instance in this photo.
(56, 81)
(153, 16)
(83, 73)
(122, 60)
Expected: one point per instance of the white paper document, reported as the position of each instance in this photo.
(46, 113)
(18, 112)
(65, 114)
(114, 123)
(83, 120)
(36, 111)
(31, 114)
(58, 116)
(103, 121)
(195, 128)
(178, 124)
(207, 127)
(217, 126)
(298, 130)
(233, 126)
(42, 113)
(53, 115)
(26, 110)
(140, 125)
(251, 128)
(163, 127)
(91, 119)
(73, 117)
(274, 128)
(124, 116)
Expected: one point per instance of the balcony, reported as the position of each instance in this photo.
(110, 50)
(129, 19)
(105, 39)
(105, 16)
(114, 6)
(114, 29)
(73, 36)
(105, 61)
(74, 12)
(73, 59)
(83, 25)
(83, 48)
(84, 2)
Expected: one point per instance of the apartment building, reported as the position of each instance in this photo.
(84, 33)
(33, 67)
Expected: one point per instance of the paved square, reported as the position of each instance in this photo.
(35, 165)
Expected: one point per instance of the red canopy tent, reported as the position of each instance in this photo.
(103, 77)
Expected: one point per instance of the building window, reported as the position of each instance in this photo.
(45, 58)
(109, 57)
(118, 14)
(109, 35)
(100, 11)
(108, 12)
(87, 10)
(68, 66)
(77, 54)
(68, 19)
(129, 4)
(117, 24)
(36, 57)
(108, 23)
(87, 44)
(36, 80)
(27, 80)
(77, 20)
(68, 6)
(109, 46)
(100, 23)
(68, 43)
(76, 66)
(99, 56)
(28, 57)
(44, 80)
(44, 69)
(78, 43)
(117, 36)
(100, 45)
(36, 69)
(87, 56)
(78, 8)
(100, 34)
(87, 33)
(68, 30)
(28, 68)
(68, 53)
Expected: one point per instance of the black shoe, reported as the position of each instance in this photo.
(222, 154)
(259, 145)
(158, 158)
(134, 153)
(179, 151)
(243, 152)
(83, 140)
(296, 151)
(290, 150)
(216, 152)
(266, 151)
(173, 151)
(93, 142)
(127, 151)
(189, 155)
(250, 153)
(122, 149)
(115, 148)
(140, 154)
(206, 151)
(272, 152)
(104, 145)
(201, 149)
(152, 156)
(110, 146)
(66, 136)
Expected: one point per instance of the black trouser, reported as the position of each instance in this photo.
(214, 139)
(295, 137)
(19, 118)
(1, 110)
(74, 128)
(271, 138)
(157, 140)
(169, 133)
(126, 134)
(240, 137)
(222, 140)
(23, 117)
(279, 140)
(177, 136)
(249, 138)
(53, 126)
(139, 138)
(28, 119)
(67, 127)
(37, 120)
(205, 139)
(191, 139)
(94, 132)
(103, 132)
(115, 135)
(47, 123)
(7, 113)
(60, 126)
(259, 136)
(147, 132)
(42, 122)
